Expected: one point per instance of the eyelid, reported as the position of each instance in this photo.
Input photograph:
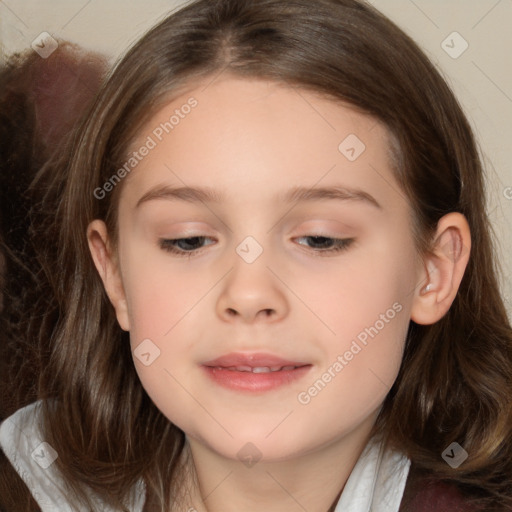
(340, 245)
(324, 223)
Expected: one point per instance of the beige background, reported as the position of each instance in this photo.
(481, 76)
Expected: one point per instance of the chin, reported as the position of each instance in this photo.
(257, 447)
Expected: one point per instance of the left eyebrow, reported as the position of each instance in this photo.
(340, 193)
(295, 194)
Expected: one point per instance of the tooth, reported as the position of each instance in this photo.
(256, 369)
(238, 368)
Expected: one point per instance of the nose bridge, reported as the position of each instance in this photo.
(253, 233)
(250, 249)
(251, 288)
(251, 261)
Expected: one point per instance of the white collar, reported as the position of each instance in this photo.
(377, 481)
(376, 484)
(21, 441)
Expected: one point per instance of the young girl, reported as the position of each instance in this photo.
(276, 280)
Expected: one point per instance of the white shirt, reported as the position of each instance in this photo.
(376, 483)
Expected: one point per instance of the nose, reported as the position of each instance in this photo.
(252, 292)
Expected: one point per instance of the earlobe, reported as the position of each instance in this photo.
(108, 269)
(442, 270)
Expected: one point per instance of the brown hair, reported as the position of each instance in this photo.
(455, 382)
(40, 100)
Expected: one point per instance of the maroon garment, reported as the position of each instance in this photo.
(440, 497)
(424, 494)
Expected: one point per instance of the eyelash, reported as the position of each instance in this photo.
(168, 245)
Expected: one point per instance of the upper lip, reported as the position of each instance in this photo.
(253, 360)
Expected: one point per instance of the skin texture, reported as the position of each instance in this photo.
(251, 140)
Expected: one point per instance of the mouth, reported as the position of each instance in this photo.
(256, 369)
(254, 372)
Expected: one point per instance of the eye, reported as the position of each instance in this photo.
(170, 245)
(193, 245)
(336, 245)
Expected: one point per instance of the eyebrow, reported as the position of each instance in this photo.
(295, 194)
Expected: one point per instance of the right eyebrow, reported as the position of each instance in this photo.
(189, 194)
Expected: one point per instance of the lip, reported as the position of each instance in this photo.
(247, 381)
(253, 360)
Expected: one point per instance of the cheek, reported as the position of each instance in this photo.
(160, 306)
(352, 294)
(163, 311)
(158, 296)
(364, 307)
(362, 357)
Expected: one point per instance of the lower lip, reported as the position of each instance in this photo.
(249, 381)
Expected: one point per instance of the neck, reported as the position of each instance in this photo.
(312, 481)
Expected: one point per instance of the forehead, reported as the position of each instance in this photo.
(250, 138)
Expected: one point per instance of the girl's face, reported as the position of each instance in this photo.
(257, 273)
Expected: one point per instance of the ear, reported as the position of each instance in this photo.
(442, 271)
(107, 265)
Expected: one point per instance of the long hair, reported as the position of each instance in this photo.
(40, 100)
(455, 381)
